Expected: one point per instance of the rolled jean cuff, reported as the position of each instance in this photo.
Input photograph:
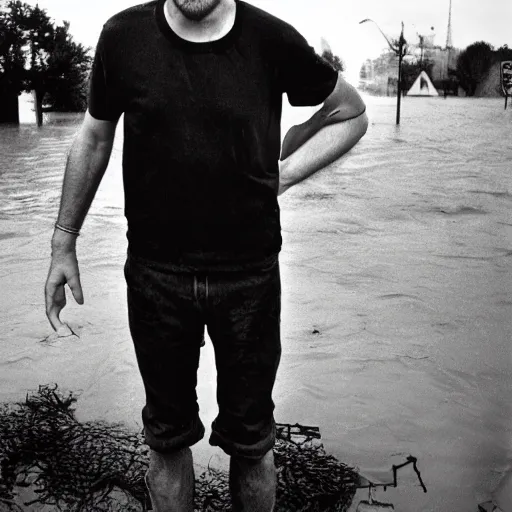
(254, 451)
(163, 440)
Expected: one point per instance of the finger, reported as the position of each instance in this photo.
(49, 292)
(64, 331)
(55, 302)
(76, 288)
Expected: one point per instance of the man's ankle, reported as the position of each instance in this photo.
(253, 484)
(170, 481)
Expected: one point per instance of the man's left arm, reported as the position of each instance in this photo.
(326, 136)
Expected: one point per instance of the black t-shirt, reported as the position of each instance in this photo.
(202, 131)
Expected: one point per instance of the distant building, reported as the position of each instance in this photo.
(376, 73)
(443, 60)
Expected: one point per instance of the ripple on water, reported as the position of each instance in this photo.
(7, 236)
(460, 210)
(499, 194)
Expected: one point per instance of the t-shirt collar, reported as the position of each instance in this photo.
(191, 46)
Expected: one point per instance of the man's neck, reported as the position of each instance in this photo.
(214, 26)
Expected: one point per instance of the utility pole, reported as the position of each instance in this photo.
(401, 44)
(399, 50)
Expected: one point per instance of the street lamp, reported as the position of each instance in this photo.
(399, 50)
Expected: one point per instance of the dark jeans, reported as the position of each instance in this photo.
(168, 311)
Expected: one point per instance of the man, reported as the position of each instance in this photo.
(200, 83)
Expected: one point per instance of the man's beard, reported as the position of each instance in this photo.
(196, 10)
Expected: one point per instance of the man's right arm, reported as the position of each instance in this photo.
(87, 162)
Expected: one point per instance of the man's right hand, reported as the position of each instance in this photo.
(63, 270)
(88, 159)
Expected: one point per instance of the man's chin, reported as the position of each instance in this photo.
(196, 10)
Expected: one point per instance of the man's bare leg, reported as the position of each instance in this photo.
(170, 480)
(253, 483)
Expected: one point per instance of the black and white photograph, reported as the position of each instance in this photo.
(255, 256)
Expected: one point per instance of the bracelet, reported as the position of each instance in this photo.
(66, 229)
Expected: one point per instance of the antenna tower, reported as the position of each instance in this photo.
(449, 44)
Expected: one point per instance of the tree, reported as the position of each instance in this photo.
(333, 60)
(68, 71)
(504, 53)
(39, 56)
(473, 65)
(12, 70)
(37, 33)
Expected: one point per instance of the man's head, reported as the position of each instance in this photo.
(196, 10)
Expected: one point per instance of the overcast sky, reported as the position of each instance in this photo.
(335, 20)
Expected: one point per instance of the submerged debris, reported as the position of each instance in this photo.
(96, 466)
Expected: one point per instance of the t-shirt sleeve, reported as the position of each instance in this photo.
(306, 77)
(103, 98)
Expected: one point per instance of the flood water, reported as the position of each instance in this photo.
(397, 303)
